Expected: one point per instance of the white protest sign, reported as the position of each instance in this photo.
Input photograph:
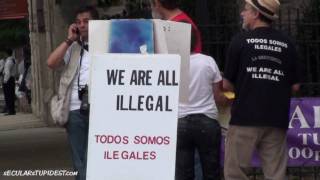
(133, 117)
(176, 39)
(169, 37)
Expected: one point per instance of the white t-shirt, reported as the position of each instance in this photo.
(9, 69)
(203, 73)
(84, 78)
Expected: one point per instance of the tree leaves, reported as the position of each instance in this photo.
(13, 33)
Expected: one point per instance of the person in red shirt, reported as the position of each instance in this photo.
(169, 10)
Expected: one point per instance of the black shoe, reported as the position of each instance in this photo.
(4, 111)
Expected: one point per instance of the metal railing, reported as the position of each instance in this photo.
(303, 26)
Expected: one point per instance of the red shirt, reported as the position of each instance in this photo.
(182, 17)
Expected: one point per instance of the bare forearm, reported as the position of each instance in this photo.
(227, 85)
(219, 97)
(56, 57)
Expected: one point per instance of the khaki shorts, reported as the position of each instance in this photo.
(270, 144)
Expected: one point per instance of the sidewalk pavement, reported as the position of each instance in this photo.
(34, 149)
(20, 121)
(26, 143)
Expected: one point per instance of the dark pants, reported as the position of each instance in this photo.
(77, 128)
(9, 95)
(204, 134)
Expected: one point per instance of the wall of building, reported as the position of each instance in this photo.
(47, 30)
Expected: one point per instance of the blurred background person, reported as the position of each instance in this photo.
(9, 83)
(169, 10)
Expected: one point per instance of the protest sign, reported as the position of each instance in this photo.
(133, 117)
(303, 138)
(135, 36)
(304, 132)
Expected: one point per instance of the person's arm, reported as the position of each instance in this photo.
(219, 97)
(227, 85)
(56, 57)
(217, 90)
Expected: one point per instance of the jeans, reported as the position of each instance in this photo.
(77, 129)
(197, 167)
(199, 132)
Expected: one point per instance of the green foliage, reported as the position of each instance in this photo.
(13, 33)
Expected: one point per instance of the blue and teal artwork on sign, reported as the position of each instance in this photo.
(131, 36)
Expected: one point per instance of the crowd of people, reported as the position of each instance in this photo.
(15, 80)
(261, 69)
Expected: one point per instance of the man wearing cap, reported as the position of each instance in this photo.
(262, 70)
